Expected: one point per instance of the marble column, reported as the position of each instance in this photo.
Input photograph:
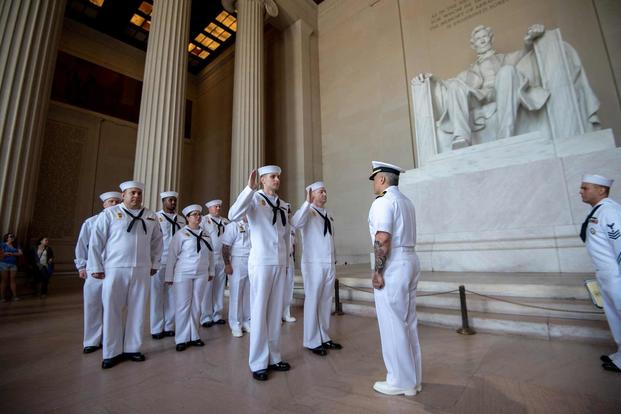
(247, 141)
(162, 107)
(28, 49)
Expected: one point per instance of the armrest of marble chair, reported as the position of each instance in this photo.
(424, 119)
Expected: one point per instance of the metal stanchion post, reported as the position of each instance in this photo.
(465, 327)
(338, 306)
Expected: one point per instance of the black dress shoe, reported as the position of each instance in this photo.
(181, 347)
(110, 362)
(168, 333)
(332, 345)
(158, 335)
(90, 349)
(281, 366)
(198, 342)
(610, 366)
(319, 351)
(220, 322)
(134, 356)
(207, 324)
(260, 375)
(605, 358)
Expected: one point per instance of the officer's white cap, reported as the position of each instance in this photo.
(131, 184)
(110, 194)
(597, 179)
(166, 194)
(213, 203)
(315, 186)
(191, 208)
(269, 169)
(378, 166)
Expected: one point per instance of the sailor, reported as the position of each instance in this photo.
(290, 279)
(235, 252)
(316, 226)
(162, 297)
(189, 269)
(213, 302)
(267, 265)
(392, 224)
(93, 308)
(124, 250)
(601, 231)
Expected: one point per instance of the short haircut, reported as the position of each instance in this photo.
(391, 178)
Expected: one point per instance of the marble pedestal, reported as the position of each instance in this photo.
(511, 205)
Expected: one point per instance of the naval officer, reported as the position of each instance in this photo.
(189, 269)
(602, 233)
(316, 226)
(162, 297)
(213, 302)
(124, 250)
(392, 224)
(93, 308)
(267, 264)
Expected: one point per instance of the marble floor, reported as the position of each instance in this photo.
(42, 369)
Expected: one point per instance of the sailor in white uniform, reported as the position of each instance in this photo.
(124, 250)
(93, 308)
(392, 224)
(162, 296)
(213, 302)
(290, 279)
(189, 269)
(235, 252)
(267, 264)
(316, 226)
(602, 233)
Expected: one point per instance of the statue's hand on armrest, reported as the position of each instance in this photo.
(422, 77)
(534, 32)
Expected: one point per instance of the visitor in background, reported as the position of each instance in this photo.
(8, 268)
(43, 265)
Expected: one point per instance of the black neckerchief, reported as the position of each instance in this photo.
(135, 218)
(327, 226)
(174, 225)
(199, 239)
(276, 209)
(220, 225)
(583, 229)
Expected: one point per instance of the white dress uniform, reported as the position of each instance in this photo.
(237, 237)
(213, 302)
(130, 248)
(289, 280)
(267, 266)
(318, 270)
(395, 304)
(190, 262)
(93, 308)
(603, 242)
(162, 296)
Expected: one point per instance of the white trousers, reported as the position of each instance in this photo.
(162, 303)
(318, 295)
(93, 311)
(213, 300)
(288, 295)
(266, 297)
(610, 287)
(124, 288)
(189, 294)
(239, 293)
(395, 305)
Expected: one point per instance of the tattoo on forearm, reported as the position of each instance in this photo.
(380, 256)
(226, 254)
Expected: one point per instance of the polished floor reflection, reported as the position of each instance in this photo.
(42, 369)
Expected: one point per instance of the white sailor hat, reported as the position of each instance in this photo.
(166, 194)
(315, 186)
(191, 208)
(269, 169)
(131, 184)
(213, 203)
(110, 194)
(597, 179)
(379, 166)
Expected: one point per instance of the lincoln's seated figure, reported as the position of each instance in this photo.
(500, 95)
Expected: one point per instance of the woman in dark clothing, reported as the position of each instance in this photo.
(43, 258)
